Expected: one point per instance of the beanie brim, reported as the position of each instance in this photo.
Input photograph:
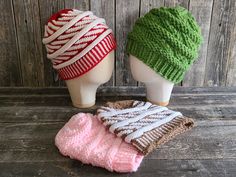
(90, 60)
(159, 65)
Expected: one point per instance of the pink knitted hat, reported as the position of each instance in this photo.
(85, 138)
(76, 42)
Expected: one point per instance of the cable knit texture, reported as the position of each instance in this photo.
(85, 138)
(76, 42)
(167, 40)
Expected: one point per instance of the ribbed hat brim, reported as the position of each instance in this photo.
(155, 62)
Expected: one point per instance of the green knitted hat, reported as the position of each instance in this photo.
(167, 40)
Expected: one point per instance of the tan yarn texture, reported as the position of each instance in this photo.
(148, 140)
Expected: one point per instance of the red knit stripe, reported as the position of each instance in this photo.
(90, 55)
(87, 62)
(80, 50)
(90, 61)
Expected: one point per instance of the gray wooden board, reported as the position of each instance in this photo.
(127, 12)
(231, 68)
(189, 100)
(147, 5)
(28, 29)
(29, 123)
(22, 114)
(221, 43)
(111, 91)
(201, 10)
(10, 66)
(173, 3)
(77, 4)
(149, 168)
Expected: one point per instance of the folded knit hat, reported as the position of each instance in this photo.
(76, 42)
(142, 124)
(167, 40)
(84, 138)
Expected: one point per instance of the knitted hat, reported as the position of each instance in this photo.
(144, 125)
(84, 138)
(167, 40)
(76, 42)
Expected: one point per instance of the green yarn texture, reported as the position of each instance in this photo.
(167, 40)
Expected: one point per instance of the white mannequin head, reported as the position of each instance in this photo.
(158, 88)
(83, 89)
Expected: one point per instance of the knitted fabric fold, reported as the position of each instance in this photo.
(142, 124)
(84, 138)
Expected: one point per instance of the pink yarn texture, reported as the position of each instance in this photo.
(84, 138)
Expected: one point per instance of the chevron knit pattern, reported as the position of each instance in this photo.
(76, 42)
(144, 125)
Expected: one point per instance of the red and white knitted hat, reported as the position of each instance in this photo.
(76, 42)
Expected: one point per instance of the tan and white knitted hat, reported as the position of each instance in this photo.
(76, 42)
(144, 125)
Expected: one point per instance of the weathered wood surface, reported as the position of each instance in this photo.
(30, 119)
(23, 59)
(127, 12)
(10, 72)
(222, 44)
(202, 10)
(27, 21)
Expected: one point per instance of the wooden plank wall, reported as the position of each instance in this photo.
(23, 59)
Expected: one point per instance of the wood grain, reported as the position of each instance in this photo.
(173, 3)
(10, 66)
(29, 42)
(147, 5)
(127, 13)
(77, 4)
(163, 168)
(220, 45)
(231, 68)
(201, 10)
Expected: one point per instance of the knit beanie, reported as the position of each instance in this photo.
(84, 138)
(167, 40)
(144, 125)
(76, 42)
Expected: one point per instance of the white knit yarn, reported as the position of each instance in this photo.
(132, 122)
(65, 40)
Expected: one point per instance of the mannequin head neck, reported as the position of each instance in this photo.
(83, 89)
(158, 88)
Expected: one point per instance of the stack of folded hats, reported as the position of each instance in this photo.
(120, 135)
